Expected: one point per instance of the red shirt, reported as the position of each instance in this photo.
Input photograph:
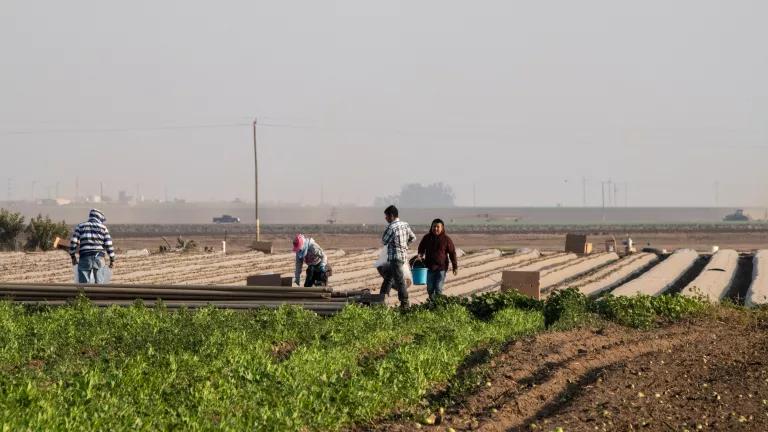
(437, 250)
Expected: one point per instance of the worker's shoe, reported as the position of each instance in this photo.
(404, 304)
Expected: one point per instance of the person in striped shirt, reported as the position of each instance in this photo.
(93, 241)
(397, 237)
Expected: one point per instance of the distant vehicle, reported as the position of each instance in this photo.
(491, 218)
(738, 216)
(226, 219)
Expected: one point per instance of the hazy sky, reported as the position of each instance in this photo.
(521, 98)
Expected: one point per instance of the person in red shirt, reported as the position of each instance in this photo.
(436, 250)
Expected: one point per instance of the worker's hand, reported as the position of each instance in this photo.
(421, 257)
(455, 271)
(74, 260)
(111, 263)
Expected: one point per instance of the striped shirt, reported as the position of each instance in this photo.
(397, 237)
(93, 237)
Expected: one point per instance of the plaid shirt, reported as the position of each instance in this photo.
(397, 237)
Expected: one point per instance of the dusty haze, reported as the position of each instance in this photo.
(522, 99)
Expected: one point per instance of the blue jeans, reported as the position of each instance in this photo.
(90, 265)
(435, 282)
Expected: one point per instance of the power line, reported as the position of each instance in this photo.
(295, 126)
(123, 129)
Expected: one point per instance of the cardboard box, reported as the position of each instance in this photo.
(262, 246)
(576, 243)
(267, 280)
(525, 282)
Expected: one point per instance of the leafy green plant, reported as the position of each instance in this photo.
(11, 225)
(567, 308)
(484, 306)
(643, 311)
(139, 368)
(42, 231)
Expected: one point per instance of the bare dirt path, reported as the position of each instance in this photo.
(711, 374)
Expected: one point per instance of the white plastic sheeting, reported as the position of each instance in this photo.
(758, 291)
(660, 278)
(717, 277)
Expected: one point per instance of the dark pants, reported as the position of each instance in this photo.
(316, 276)
(435, 282)
(392, 273)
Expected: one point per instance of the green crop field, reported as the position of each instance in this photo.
(83, 368)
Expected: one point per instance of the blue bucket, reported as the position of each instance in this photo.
(419, 275)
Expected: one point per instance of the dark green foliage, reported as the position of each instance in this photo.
(644, 311)
(567, 307)
(484, 306)
(42, 231)
(11, 225)
(84, 368)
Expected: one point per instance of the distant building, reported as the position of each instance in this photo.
(123, 197)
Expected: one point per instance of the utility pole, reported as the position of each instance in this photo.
(256, 180)
(602, 192)
(262, 246)
(101, 191)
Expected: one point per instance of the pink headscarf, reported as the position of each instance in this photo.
(298, 242)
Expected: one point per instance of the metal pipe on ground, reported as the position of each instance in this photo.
(186, 287)
(93, 297)
(87, 290)
(128, 302)
(320, 309)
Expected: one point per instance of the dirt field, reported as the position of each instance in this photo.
(708, 374)
(352, 257)
(701, 241)
(480, 270)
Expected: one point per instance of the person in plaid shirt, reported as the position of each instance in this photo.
(397, 237)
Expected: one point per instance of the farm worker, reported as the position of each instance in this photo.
(396, 238)
(93, 239)
(309, 252)
(435, 250)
